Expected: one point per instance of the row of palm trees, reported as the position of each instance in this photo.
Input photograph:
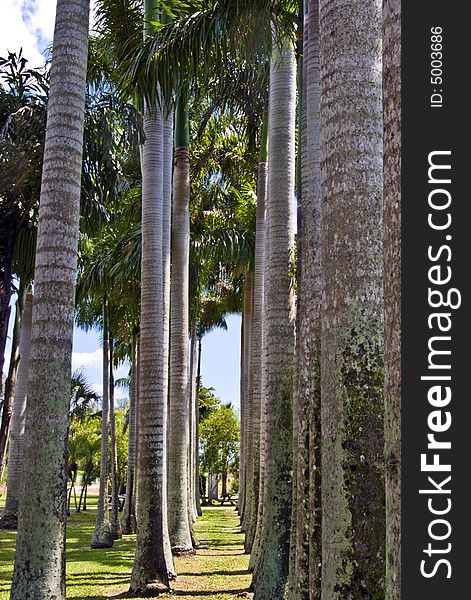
(319, 395)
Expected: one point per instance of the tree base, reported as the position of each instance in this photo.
(182, 551)
(151, 590)
(102, 538)
(9, 522)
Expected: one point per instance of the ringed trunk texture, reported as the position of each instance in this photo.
(241, 503)
(192, 427)
(272, 565)
(178, 435)
(392, 290)
(153, 563)
(353, 526)
(16, 450)
(39, 570)
(128, 519)
(305, 578)
(255, 552)
(256, 365)
(199, 512)
(102, 536)
(248, 451)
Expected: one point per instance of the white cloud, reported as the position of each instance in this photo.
(28, 24)
(87, 360)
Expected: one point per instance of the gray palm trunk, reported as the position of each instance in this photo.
(392, 290)
(255, 551)
(10, 382)
(247, 377)
(128, 519)
(102, 536)
(153, 563)
(179, 399)
(243, 417)
(116, 530)
(306, 540)
(272, 564)
(16, 444)
(256, 362)
(192, 425)
(39, 570)
(352, 330)
(166, 241)
(199, 512)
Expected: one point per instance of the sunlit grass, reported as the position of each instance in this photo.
(218, 571)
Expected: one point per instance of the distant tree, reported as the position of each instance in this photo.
(220, 436)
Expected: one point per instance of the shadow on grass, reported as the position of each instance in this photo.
(211, 573)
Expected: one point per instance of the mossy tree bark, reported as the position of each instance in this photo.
(352, 330)
(392, 290)
(39, 570)
(102, 535)
(306, 539)
(272, 564)
(16, 448)
(179, 399)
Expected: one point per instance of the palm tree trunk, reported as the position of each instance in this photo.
(6, 274)
(272, 565)
(102, 535)
(392, 290)
(179, 527)
(242, 466)
(128, 520)
(192, 424)
(153, 563)
(39, 570)
(166, 246)
(307, 525)
(352, 331)
(197, 432)
(247, 372)
(10, 381)
(116, 530)
(16, 450)
(257, 323)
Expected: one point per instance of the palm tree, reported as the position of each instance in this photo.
(179, 400)
(39, 570)
(102, 536)
(392, 290)
(153, 563)
(306, 531)
(257, 324)
(128, 519)
(17, 442)
(272, 565)
(246, 395)
(116, 530)
(352, 331)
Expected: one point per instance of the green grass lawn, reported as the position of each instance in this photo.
(218, 571)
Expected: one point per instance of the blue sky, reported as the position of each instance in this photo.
(30, 24)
